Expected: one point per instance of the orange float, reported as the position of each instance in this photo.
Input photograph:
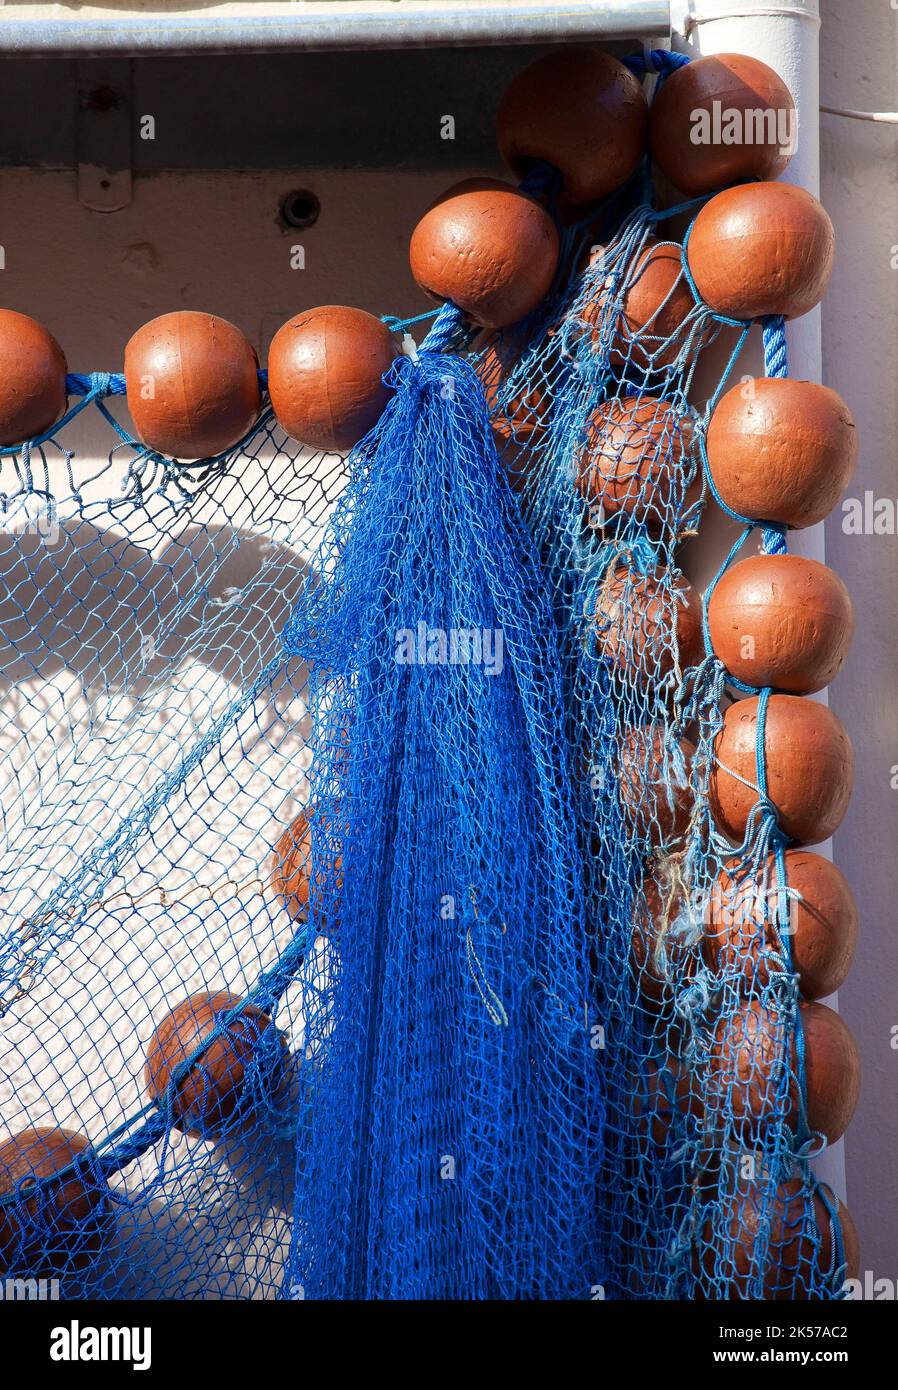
(43, 1231)
(799, 1251)
(631, 457)
(581, 111)
(722, 119)
(762, 248)
(291, 863)
(645, 766)
(647, 331)
(661, 1093)
(325, 375)
(750, 1050)
(488, 248)
(32, 379)
(781, 450)
(208, 1096)
(810, 768)
(782, 621)
(647, 625)
(192, 384)
(742, 932)
(661, 954)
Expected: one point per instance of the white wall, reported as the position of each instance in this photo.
(859, 187)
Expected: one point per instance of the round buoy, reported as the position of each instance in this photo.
(582, 112)
(291, 864)
(782, 621)
(762, 248)
(781, 450)
(489, 249)
(753, 1069)
(800, 1254)
(742, 935)
(630, 460)
(749, 1072)
(208, 1096)
(722, 119)
(810, 768)
(647, 330)
(290, 871)
(325, 375)
(656, 797)
(832, 1068)
(32, 379)
(647, 625)
(45, 1230)
(192, 382)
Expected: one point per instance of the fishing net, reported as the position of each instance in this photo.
(391, 777)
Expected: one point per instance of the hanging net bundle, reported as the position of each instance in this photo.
(406, 891)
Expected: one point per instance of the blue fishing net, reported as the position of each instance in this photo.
(390, 775)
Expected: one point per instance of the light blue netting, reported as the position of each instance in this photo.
(494, 1069)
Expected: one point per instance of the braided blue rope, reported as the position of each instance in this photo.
(773, 542)
(660, 60)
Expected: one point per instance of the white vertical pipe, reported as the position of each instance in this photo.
(786, 37)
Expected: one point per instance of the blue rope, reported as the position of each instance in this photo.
(660, 60)
(776, 354)
(773, 542)
(96, 384)
(396, 324)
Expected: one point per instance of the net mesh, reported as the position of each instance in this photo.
(396, 771)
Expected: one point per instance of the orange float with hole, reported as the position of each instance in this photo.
(810, 768)
(488, 248)
(762, 248)
(742, 932)
(192, 384)
(782, 621)
(781, 450)
(722, 119)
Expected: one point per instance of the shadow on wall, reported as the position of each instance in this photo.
(236, 1199)
(89, 601)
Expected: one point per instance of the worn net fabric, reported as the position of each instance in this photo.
(495, 1067)
(706, 1188)
(155, 742)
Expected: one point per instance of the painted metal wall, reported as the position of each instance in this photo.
(859, 186)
